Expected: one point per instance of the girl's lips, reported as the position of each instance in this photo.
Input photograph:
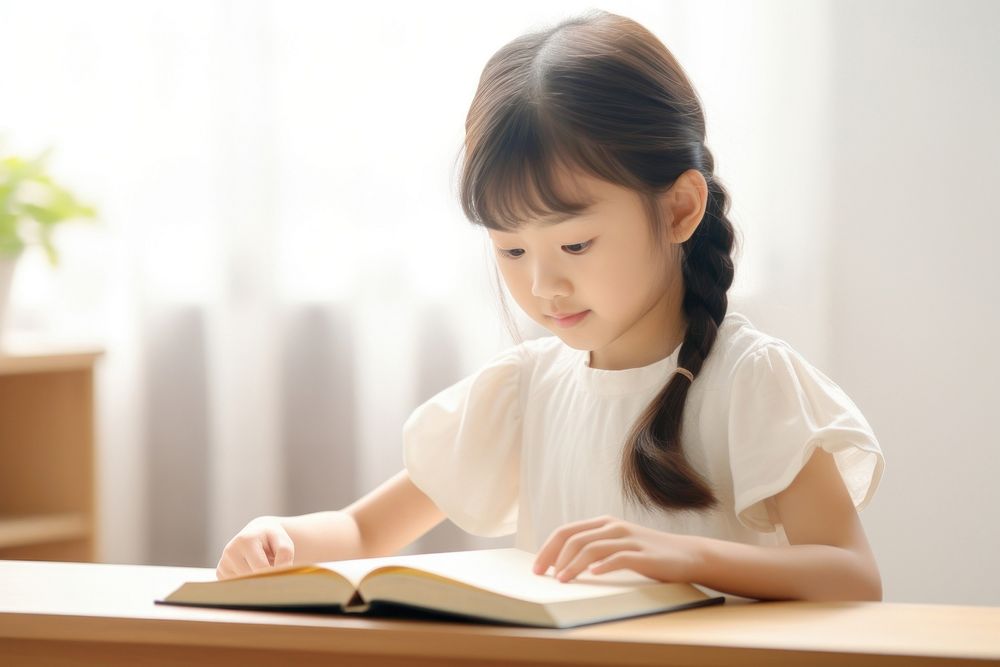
(571, 320)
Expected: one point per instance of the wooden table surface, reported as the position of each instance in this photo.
(76, 613)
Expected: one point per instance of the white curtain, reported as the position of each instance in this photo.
(282, 271)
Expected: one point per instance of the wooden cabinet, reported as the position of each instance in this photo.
(47, 458)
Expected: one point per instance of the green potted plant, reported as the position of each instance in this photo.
(32, 205)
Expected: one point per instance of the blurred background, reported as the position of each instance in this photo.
(281, 271)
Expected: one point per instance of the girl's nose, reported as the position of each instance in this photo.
(550, 284)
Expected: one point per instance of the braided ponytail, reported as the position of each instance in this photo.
(654, 469)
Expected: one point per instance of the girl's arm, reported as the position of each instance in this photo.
(828, 557)
(379, 523)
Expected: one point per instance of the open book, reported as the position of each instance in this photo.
(496, 585)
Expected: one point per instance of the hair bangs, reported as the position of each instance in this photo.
(522, 172)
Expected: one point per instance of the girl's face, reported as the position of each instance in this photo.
(599, 281)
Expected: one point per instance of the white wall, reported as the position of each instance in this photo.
(915, 282)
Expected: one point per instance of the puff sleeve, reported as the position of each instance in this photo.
(781, 409)
(463, 447)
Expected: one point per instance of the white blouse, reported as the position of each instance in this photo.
(533, 439)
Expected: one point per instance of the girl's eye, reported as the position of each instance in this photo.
(577, 248)
(573, 249)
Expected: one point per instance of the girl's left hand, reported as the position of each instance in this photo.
(606, 543)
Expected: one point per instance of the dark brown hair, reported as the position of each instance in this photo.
(600, 94)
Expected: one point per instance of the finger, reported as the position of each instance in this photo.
(571, 549)
(596, 551)
(235, 567)
(623, 560)
(227, 567)
(255, 558)
(554, 544)
(223, 570)
(268, 553)
(282, 548)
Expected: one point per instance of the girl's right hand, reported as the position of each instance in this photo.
(262, 544)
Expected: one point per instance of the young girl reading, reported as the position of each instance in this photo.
(655, 431)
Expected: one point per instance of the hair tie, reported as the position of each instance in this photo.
(685, 372)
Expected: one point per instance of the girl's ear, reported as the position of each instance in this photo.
(684, 205)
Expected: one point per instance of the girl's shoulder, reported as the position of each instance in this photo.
(749, 362)
(736, 344)
(738, 336)
(529, 358)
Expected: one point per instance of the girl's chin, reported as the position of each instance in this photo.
(573, 339)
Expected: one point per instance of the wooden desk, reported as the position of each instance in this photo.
(78, 613)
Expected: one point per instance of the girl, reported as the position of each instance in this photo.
(655, 431)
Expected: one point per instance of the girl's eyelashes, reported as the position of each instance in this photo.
(573, 249)
(578, 248)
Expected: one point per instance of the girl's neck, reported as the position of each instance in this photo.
(653, 337)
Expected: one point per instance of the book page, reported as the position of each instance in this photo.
(506, 572)
(355, 570)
